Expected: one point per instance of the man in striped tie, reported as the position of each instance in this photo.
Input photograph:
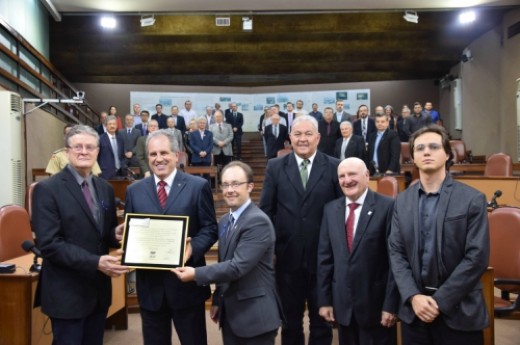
(163, 298)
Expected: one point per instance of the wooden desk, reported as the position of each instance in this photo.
(21, 324)
(510, 187)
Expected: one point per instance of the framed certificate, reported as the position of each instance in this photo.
(154, 241)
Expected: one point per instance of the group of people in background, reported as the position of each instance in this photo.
(375, 140)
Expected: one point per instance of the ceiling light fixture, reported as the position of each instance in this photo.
(411, 16)
(148, 20)
(108, 22)
(467, 17)
(247, 23)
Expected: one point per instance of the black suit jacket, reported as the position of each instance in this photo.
(71, 242)
(238, 123)
(140, 128)
(100, 129)
(189, 196)
(462, 249)
(106, 158)
(328, 142)
(181, 124)
(161, 120)
(388, 152)
(355, 148)
(371, 128)
(296, 212)
(359, 282)
(404, 129)
(273, 144)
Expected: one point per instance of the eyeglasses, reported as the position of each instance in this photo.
(431, 146)
(80, 148)
(233, 185)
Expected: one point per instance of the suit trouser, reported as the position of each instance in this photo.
(353, 334)
(230, 338)
(438, 333)
(297, 289)
(85, 331)
(190, 325)
(237, 143)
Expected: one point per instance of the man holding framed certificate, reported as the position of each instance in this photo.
(163, 298)
(245, 302)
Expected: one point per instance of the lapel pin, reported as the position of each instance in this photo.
(369, 213)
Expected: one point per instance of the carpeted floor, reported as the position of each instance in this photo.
(507, 332)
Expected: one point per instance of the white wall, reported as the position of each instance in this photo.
(30, 19)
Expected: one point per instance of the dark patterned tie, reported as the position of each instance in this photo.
(88, 197)
(161, 193)
(350, 225)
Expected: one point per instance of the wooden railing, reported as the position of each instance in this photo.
(25, 70)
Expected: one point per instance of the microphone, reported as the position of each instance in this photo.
(493, 202)
(29, 246)
(119, 202)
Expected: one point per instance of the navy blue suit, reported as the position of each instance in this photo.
(237, 123)
(161, 291)
(198, 144)
(161, 120)
(106, 158)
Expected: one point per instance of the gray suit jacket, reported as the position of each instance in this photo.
(462, 250)
(246, 287)
(226, 136)
(357, 283)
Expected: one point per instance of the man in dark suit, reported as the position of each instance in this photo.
(74, 217)
(384, 148)
(365, 125)
(160, 116)
(236, 120)
(275, 135)
(349, 145)
(162, 296)
(404, 125)
(143, 126)
(246, 250)
(291, 197)
(201, 143)
(355, 284)
(180, 124)
(130, 136)
(329, 132)
(439, 249)
(111, 156)
(101, 127)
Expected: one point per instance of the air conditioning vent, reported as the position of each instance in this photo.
(16, 103)
(223, 21)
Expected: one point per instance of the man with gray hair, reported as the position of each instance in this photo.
(74, 218)
(349, 145)
(296, 186)
(111, 157)
(163, 298)
(222, 140)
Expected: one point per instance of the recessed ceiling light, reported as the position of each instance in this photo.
(468, 16)
(108, 22)
(411, 16)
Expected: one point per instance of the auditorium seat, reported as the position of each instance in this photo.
(15, 228)
(283, 152)
(388, 186)
(504, 232)
(406, 156)
(459, 150)
(28, 198)
(499, 165)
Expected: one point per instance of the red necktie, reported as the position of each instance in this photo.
(161, 193)
(350, 224)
